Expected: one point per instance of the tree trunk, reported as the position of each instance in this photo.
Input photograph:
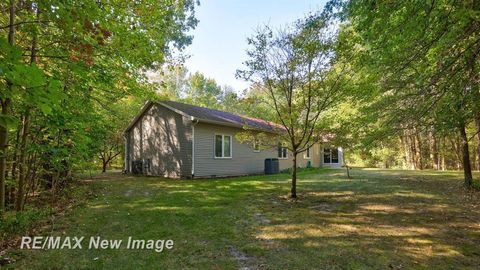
(5, 105)
(104, 166)
(413, 151)
(433, 150)
(30, 182)
(477, 121)
(442, 153)
(22, 172)
(3, 155)
(467, 169)
(457, 149)
(403, 142)
(410, 149)
(418, 152)
(293, 192)
(13, 171)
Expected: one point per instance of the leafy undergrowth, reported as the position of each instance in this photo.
(38, 215)
(378, 219)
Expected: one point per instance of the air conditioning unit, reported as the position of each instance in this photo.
(137, 166)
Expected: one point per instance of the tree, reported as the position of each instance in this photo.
(63, 66)
(422, 57)
(296, 68)
(203, 91)
(5, 102)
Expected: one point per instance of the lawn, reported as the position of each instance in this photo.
(379, 219)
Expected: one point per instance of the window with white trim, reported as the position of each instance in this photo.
(223, 146)
(282, 151)
(330, 155)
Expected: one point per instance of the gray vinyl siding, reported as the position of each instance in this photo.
(165, 138)
(302, 160)
(244, 160)
(316, 159)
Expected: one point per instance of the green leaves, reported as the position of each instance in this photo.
(9, 54)
(7, 121)
(25, 76)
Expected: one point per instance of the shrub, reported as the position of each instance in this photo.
(19, 222)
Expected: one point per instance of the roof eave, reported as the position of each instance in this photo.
(220, 123)
(192, 118)
(145, 107)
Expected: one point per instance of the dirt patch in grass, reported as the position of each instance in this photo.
(323, 207)
(244, 261)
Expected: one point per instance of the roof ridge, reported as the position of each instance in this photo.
(237, 114)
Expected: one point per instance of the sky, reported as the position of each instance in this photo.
(220, 38)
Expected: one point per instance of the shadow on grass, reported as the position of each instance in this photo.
(378, 219)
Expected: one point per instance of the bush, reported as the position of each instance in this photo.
(12, 223)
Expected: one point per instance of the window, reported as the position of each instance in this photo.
(223, 146)
(330, 155)
(256, 146)
(282, 151)
(307, 154)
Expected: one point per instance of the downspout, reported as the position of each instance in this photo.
(194, 122)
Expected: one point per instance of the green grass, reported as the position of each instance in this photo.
(379, 219)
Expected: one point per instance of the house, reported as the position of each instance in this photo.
(177, 140)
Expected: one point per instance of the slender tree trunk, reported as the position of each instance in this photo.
(442, 153)
(404, 145)
(104, 165)
(13, 172)
(29, 178)
(411, 151)
(3, 155)
(418, 152)
(5, 106)
(21, 162)
(457, 149)
(444, 168)
(34, 177)
(22, 166)
(293, 192)
(433, 150)
(477, 121)
(467, 169)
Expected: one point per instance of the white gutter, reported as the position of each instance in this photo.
(194, 122)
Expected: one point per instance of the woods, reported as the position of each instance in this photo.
(71, 75)
(422, 58)
(363, 75)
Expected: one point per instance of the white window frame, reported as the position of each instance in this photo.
(309, 152)
(223, 145)
(256, 146)
(330, 150)
(286, 151)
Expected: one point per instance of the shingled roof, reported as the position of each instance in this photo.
(213, 116)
